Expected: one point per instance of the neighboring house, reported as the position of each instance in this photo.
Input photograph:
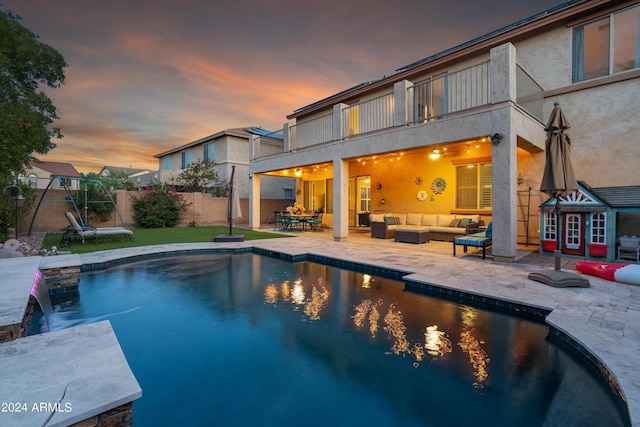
(227, 148)
(39, 175)
(462, 131)
(140, 178)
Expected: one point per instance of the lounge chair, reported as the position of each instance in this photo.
(477, 240)
(96, 232)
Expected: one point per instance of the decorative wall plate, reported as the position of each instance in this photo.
(418, 180)
(438, 185)
(422, 195)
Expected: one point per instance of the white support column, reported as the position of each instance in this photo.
(401, 102)
(286, 140)
(252, 147)
(503, 74)
(340, 199)
(337, 121)
(504, 154)
(254, 201)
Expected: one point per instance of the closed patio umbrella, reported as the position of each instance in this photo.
(558, 180)
(233, 210)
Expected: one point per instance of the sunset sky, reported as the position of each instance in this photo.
(145, 76)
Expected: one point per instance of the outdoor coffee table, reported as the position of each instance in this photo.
(408, 235)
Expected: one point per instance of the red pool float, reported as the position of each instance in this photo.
(619, 272)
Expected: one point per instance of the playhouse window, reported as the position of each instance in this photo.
(598, 227)
(549, 226)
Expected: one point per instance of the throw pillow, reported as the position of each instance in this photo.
(454, 222)
(464, 222)
(389, 220)
(396, 220)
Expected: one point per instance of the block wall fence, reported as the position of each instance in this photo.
(203, 210)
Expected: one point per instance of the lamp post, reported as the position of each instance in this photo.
(15, 192)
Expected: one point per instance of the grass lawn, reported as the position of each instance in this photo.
(153, 236)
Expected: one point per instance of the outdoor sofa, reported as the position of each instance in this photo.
(443, 227)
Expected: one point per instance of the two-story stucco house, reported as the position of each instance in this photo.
(462, 131)
(227, 148)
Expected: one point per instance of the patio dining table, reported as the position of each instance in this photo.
(303, 220)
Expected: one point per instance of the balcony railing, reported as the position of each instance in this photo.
(268, 145)
(529, 94)
(312, 132)
(450, 93)
(368, 116)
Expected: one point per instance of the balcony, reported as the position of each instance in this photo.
(405, 104)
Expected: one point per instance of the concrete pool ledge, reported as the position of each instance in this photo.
(70, 375)
(605, 318)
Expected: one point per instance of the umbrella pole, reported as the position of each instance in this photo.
(233, 171)
(557, 253)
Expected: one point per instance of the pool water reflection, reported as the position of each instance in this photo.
(246, 339)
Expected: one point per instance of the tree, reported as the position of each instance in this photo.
(198, 177)
(25, 111)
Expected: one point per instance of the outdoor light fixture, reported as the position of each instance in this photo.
(497, 138)
(434, 154)
(379, 186)
(15, 192)
(468, 148)
(382, 201)
(520, 179)
(298, 172)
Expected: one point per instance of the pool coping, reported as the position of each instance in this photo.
(571, 311)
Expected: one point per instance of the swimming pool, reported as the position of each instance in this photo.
(247, 339)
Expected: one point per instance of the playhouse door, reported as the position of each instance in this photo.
(573, 234)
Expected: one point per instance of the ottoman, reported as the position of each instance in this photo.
(412, 235)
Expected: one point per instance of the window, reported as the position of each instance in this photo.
(607, 45)
(186, 159)
(209, 152)
(549, 226)
(473, 186)
(288, 193)
(32, 180)
(365, 199)
(599, 227)
(167, 163)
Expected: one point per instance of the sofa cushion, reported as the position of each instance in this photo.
(414, 219)
(376, 217)
(429, 219)
(412, 228)
(444, 220)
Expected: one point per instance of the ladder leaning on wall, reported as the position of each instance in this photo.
(524, 211)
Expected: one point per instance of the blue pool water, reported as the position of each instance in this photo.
(246, 340)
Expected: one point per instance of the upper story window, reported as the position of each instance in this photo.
(607, 45)
(32, 180)
(167, 163)
(473, 186)
(209, 152)
(186, 159)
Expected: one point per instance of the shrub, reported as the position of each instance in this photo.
(158, 206)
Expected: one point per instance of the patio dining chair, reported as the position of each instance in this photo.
(315, 222)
